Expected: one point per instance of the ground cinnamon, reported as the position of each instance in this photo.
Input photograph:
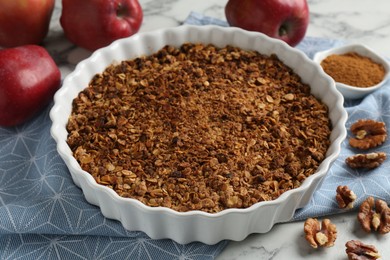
(353, 69)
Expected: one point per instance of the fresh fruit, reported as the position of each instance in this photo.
(93, 24)
(29, 79)
(286, 20)
(24, 22)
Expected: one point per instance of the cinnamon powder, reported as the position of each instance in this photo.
(353, 69)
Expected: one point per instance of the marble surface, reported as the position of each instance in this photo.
(359, 21)
(353, 20)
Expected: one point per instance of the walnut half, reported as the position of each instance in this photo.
(320, 235)
(374, 215)
(345, 197)
(368, 134)
(357, 250)
(368, 161)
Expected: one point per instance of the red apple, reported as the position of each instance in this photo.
(29, 79)
(286, 20)
(93, 24)
(24, 21)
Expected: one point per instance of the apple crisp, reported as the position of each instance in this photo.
(199, 127)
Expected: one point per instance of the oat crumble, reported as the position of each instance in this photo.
(199, 128)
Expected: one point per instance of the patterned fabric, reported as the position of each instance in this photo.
(363, 182)
(43, 215)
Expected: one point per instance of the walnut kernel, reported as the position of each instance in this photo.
(374, 215)
(357, 250)
(345, 197)
(368, 161)
(320, 235)
(368, 134)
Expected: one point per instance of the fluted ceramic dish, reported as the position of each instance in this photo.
(185, 227)
(353, 92)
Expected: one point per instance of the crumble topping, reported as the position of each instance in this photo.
(199, 128)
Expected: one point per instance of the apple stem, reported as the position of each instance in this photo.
(283, 30)
(121, 11)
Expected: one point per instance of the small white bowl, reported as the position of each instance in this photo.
(185, 227)
(353, 92)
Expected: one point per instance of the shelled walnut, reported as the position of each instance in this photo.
(368, 134)
(345, 197)
(374, 215)
(320, 235)
(368, 161)
(357, 250)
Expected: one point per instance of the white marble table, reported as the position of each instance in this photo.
(359, 21)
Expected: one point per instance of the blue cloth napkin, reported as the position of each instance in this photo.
(43, 215)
